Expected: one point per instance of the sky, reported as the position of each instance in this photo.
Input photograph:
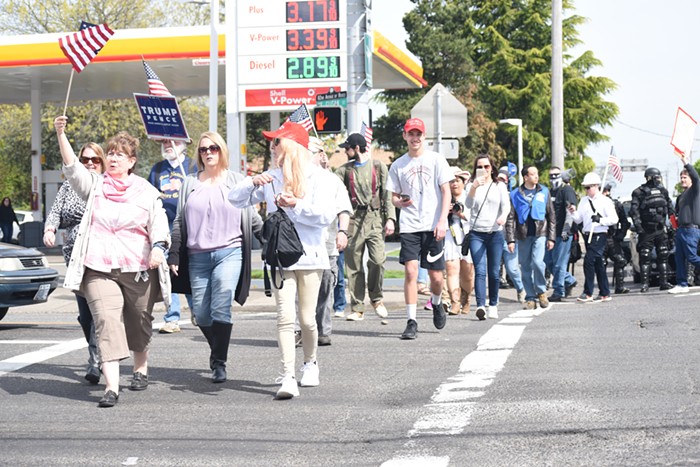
(647, 49)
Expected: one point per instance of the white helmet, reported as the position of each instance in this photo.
(591, 179)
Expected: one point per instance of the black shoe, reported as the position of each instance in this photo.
(324, 340)
(622, 290)
(297, 338)
(555, 298)
(109, 399)
(219, 373)
(665, 286)
(411, 330)
(481, 313)
(92, 375)
(439, 315)
(570, 289)
(645, 288)
(139, 382)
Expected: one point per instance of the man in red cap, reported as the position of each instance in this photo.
(420, 185)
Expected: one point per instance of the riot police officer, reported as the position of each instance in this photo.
(651, 206)
(616, 234)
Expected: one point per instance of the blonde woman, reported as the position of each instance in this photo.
(301, 189)
(121, 240)
(218, 239)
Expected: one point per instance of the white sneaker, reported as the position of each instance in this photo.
(380, 309)
(493, 312)
(289, 387)
(355, 316)
(309, 375)
(679, 289)
(339, 314)
(521, 296)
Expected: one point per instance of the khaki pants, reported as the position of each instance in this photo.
(366, 231)
(306, 283)
(121, 311)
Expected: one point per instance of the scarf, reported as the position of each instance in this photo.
(122, 191)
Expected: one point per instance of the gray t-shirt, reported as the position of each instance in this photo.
(420, 178)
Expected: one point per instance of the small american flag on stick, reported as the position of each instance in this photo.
(82, 46)
(302, 117)
(155, 85)
(614, 164)
(366, 133)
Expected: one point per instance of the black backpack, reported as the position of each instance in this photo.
(281, 247)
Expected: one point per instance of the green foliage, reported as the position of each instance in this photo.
(495, 57)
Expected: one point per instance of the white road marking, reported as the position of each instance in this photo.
(30, 342)
(21, 361)
(451, 406)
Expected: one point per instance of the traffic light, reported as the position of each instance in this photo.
(328, 119)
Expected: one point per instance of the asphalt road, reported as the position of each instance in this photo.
(579, 384)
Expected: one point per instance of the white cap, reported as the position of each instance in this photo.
(591, 179)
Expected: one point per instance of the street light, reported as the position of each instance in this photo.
(519, 123)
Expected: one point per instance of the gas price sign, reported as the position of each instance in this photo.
(292, 43)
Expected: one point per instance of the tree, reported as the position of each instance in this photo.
(495, 56)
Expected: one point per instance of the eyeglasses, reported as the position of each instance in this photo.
(554, 175)
(588, 187)
(483, 166)
(213, 148)
(116, 155)
(95, 160)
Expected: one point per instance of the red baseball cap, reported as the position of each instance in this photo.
(414, 124)
(289, 130)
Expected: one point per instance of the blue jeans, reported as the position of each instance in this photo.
(510, 261)
(214, 277)
(557, 261)
(531, 255)
(686, 250)
(594, 265)
(173, 313)
(422, 275)
(487, 250)
(339, 300)
(6, 232)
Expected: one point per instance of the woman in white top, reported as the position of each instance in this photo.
(488, 200)
(300, 188)
(458, 267)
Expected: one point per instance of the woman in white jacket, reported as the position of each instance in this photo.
(301, 189)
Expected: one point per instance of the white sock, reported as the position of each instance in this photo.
(411, 311)
(435, 299)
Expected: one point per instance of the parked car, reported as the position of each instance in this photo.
(22, 217)
(25, 277)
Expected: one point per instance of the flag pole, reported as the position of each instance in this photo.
(312, 120)
(70, 83)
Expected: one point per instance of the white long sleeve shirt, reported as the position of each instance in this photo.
(603, 206)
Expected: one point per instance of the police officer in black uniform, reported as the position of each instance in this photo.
(651, 206)
(614, 252)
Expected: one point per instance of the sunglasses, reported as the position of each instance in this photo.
(95, 160)
(554, 175)
(588, 187)
(213, 148)
(483, 166)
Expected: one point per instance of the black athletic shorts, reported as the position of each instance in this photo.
(423, 247)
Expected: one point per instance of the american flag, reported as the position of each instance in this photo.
(302, 117)
(366, 133)
(155, 85)
(82, 46)
(614, 164)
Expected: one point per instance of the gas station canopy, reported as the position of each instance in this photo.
(180, 57)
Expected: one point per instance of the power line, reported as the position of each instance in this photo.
(648, 131)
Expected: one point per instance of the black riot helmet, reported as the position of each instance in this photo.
(652, 174)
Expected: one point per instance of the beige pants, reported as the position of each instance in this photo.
(305, 283)
(119, 306)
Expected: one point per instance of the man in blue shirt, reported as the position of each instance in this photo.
(168, 176)
(532, 224)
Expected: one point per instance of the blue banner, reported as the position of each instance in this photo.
(161, 117)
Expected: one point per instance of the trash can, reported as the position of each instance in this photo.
(31, 234)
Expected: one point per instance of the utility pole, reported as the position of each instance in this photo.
(359, 29)
(557, 86)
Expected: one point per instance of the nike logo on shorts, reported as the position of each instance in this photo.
(432, 259)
